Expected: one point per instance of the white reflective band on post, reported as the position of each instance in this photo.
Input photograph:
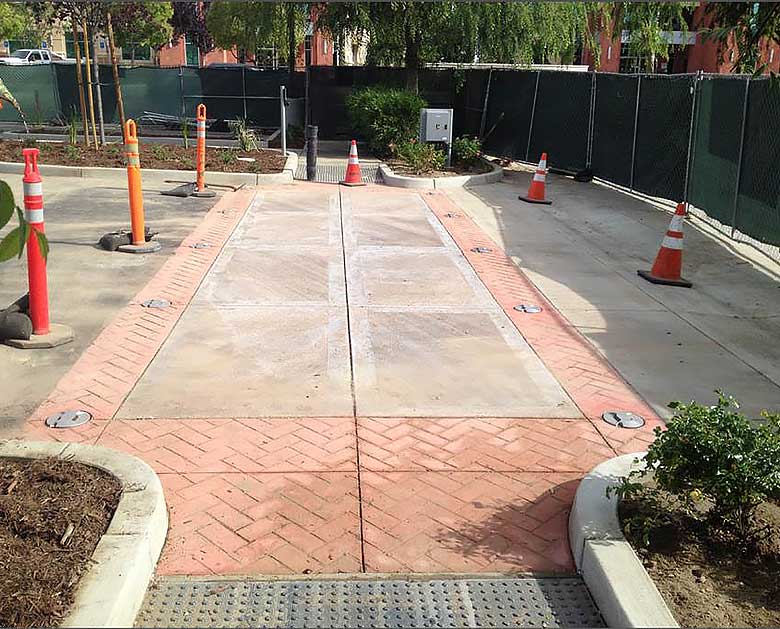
(352, 160)
(202, 134)
(672, 243)
(538, 177)
(33, 189)
(33, 216)
(677, 223)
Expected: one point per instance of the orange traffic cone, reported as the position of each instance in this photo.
(354, 177)
(668, 263)
(536, 189)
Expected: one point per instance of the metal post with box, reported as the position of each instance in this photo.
(436, 126)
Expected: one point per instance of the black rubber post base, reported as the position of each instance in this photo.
(537, 201)
(660, 280)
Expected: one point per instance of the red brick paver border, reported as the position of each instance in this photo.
(592, 383)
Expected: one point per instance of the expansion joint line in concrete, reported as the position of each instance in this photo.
(352, 385)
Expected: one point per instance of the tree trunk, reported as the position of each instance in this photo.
(89, 82)
(291, 38)
(115, 69)
(412, 61)
(99, 98)
(80, 82)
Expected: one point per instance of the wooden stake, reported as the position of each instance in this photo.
(115, 66)
(89, 83)
(80, 81)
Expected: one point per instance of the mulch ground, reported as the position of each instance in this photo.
(705, 580)
(52, 516)
(164, 156)
(401, 168)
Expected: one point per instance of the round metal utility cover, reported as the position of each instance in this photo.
(482, 250)
(201, 245)
(528, 308)
(156, 303)
(68, 419)
(623, 419)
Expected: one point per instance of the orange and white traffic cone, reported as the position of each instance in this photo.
(354, 176)
(536, 189)
(668, 263)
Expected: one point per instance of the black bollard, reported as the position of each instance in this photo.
(311, 152)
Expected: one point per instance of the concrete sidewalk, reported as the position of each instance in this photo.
(670, 343)
(341, 384)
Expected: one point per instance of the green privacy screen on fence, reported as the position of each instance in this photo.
(632, 130)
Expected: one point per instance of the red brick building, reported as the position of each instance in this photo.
(697, 53)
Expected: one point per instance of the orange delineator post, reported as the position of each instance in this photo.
(201, 156)
(134, 183)
(36, 263)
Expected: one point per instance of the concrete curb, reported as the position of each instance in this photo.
(120, 174)
(433, 183)
(618, 582)
(111, 592)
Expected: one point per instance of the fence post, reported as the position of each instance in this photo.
(591, 120)
(636, 123)
(283, 117)
(181, 92)
(691, 134)
(533, 113)
(483, 121)
(243, 88)
(739, 160)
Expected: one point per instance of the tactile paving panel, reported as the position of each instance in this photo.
(333, 173)
(518, 602)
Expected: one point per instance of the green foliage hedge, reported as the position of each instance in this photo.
(385, 117)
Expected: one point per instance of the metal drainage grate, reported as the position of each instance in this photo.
(333, 173)
(481, 250)
(523, 602)
(623, 419)
(68, 419)
(527, 308)
(156, 303)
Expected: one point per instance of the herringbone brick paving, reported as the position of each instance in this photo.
(345, 494)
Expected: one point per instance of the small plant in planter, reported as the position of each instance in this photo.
(714, 463)
(420, 157)
(466, 150)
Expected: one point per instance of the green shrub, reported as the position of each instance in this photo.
(422, 158)
(466, 150)
(385, 117)
(714, 457)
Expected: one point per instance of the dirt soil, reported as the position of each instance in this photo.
(52, 515)
(707, 582)
(163, 156)
(400, 168)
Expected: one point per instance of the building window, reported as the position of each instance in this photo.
(629, 63)
(191, 54)
(325, 46)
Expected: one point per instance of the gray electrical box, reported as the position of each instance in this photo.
(436, 125)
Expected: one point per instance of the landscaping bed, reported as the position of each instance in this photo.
(52, 516)
(705, 580)
(457, 170)
(158, 156)
(703, 515)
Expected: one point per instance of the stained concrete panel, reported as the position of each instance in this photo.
(420, 277)
(447, 365)
(408, 230)
(248, 362)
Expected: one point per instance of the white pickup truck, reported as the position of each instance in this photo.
(30, 57)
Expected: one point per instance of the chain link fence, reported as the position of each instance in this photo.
(710, 140)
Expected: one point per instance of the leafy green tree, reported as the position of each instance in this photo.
(415, 33)
(142, 24)
(747, 24)
(14, 20)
